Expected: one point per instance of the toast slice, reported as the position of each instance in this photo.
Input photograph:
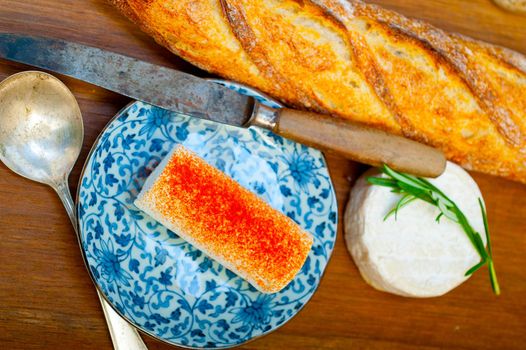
(226, 221)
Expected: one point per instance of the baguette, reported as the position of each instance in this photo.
(361, 62)
(226, 221)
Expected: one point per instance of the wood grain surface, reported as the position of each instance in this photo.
(47, 300)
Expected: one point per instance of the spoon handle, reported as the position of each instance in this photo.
(64, 194)
(123, 334)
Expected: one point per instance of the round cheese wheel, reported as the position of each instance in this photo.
(412, 255)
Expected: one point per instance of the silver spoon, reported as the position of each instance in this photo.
(41, 135)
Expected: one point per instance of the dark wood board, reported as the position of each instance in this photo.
(47, 300)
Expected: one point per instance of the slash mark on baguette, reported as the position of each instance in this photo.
(234, 12)
(453, 50)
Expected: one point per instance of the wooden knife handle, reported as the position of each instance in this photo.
(359, 142)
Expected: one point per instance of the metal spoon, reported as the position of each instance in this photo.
(41, 135)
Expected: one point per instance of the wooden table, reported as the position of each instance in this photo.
(47, 300)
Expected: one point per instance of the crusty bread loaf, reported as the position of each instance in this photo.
(361, 62)
(224, 220)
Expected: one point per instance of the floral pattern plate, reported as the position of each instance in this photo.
(156, 280)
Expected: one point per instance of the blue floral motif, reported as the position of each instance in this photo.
(160, 256)
(156, 119)
(181, 131)
(256, 313)
(138, 300)
(159, 282)
(302, 168)
(110, 264)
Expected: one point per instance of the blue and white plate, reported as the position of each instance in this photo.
(156, 280)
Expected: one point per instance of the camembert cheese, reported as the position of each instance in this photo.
(412, 255)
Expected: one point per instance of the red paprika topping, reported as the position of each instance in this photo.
(228, 220)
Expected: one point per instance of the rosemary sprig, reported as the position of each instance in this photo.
(412, 188)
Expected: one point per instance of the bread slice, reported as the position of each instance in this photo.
(358, 61)
(226, 221)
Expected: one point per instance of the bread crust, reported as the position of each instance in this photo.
(518, 6)
(361, 62)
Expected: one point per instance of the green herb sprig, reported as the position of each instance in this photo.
(412, 188)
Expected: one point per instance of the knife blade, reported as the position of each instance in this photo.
(184, 93)
(163, 87)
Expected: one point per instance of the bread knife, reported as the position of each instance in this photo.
(190, 95)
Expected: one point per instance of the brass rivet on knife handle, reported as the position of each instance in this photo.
(360, 143)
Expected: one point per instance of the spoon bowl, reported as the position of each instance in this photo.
(41, 128)
(41, 134)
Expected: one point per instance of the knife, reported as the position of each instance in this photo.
(190, 95)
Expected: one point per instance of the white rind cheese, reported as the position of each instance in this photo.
(412, 255)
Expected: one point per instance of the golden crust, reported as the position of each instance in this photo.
(518, 6)
(361, 62)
